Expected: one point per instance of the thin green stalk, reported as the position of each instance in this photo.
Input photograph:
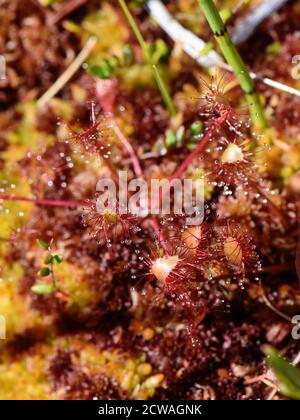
(164, 91)
(134, 26)
(234, 59)
(159, 80)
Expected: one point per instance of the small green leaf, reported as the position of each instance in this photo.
(226, 14)
(57, 259)
(161, 50)
(171, 139)
(114, 62)
(103, 71)
(287, 374)
(48, 259)
(191, 146)
(196, 128)
(157, 51)
(44, 271)
(274, 49)
(205, 50)
(43, 244)
(43, 289)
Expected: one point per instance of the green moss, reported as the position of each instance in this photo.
(102, 24)
(25, 379)
(132, 373)
(14, 307)
(137, 76)
(72, 281)
(26, 137)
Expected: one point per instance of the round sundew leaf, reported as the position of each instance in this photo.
(233, 251)
(232, 153)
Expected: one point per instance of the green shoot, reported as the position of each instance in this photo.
(148, 57)
(234, 59)
(287, 374)
(164, 91)
(134, 26)
(47, 270)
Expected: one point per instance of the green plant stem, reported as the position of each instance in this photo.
(134, 26)
(234, 59)
(53, 276)
(164, 91)
(158, 78)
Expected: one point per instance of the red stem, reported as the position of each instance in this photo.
(130, 150)
(106, 93)
(136, 166)
(46, 202)
(188, 160)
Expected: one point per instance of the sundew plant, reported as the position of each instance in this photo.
(149, 197)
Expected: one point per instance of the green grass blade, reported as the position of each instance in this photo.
(287, 374)
(159, 80)
(234, 59)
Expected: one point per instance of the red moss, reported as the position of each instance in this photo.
(74, 383)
